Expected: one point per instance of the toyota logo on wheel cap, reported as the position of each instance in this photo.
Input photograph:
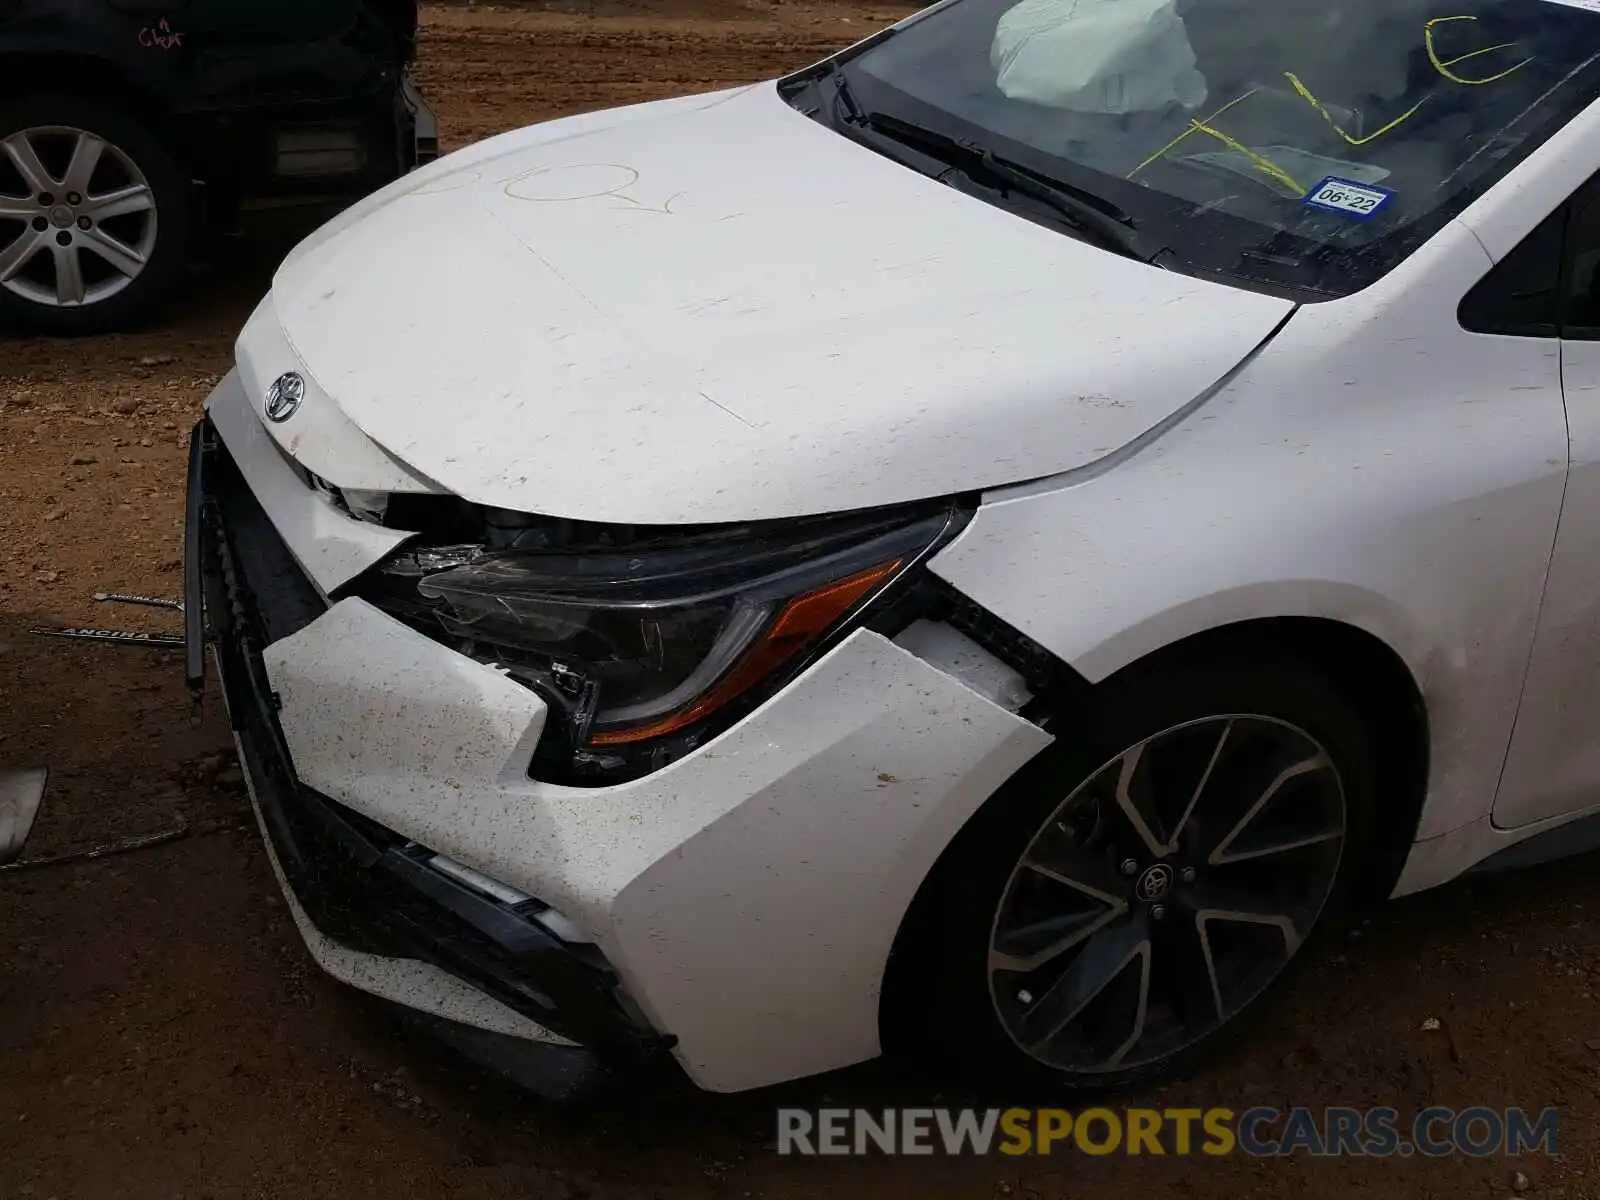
(1155, 883)
(284, 396)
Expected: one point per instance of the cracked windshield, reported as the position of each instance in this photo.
(1309, 144)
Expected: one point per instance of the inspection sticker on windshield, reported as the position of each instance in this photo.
(1360, 200)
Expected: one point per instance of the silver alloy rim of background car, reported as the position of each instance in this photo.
(77, 217)
(1166, 892)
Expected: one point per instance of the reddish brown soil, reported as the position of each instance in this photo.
(163, 1032)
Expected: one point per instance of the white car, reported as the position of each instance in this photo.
(985, 546)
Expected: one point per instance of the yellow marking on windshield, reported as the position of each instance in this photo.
(1260, 161)
(1305, 94)
(1194, 127)
(1268, 167)
(1443, 67)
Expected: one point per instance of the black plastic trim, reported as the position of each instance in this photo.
(194, 632)
(1580, 836)
(1055, 685)
(1520, 296)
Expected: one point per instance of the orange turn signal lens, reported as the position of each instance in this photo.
(799, 623)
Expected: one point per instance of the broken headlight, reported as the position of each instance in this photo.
(642, 650)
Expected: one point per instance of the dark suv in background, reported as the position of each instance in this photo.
(131, 130)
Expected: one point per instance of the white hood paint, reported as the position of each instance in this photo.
(724, 311)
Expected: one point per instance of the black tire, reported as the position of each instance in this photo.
(106, 304)
(948, 1002)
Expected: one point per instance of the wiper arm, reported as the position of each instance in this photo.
(844, 97)
(832, 69)
(1114, 228)
(1083, 210)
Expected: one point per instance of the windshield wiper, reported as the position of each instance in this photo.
(832, 69)
(1081, 209)
(844, 97)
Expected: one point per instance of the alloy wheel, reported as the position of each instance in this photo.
(1166, 892)
(77, 217)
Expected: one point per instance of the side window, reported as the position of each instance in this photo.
(1521, 296)
(1581, 282)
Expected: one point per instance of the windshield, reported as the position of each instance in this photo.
(1296, 145)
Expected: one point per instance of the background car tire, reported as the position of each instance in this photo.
(129, 258)
(952, 999)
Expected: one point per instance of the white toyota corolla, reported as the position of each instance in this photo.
(987, 545)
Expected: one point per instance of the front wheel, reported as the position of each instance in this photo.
(1115, 911)
(93, 217)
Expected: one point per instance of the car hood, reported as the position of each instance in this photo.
(716, 309)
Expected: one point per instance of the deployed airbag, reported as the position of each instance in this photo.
(1096, 56)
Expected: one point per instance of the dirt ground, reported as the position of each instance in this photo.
(163, 1032)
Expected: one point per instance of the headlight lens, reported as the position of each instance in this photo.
(635, 645)
(654, 667)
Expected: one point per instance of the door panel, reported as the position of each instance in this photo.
(1553, 768)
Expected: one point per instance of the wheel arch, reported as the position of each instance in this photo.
(93, 78)
(1360, 665)
(1367, 671)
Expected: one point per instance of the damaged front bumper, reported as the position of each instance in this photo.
(374, 908)
(744, 899)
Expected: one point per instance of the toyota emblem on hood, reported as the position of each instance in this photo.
(284, 396)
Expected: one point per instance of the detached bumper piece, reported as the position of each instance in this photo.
(20, 795)
(363, 885)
